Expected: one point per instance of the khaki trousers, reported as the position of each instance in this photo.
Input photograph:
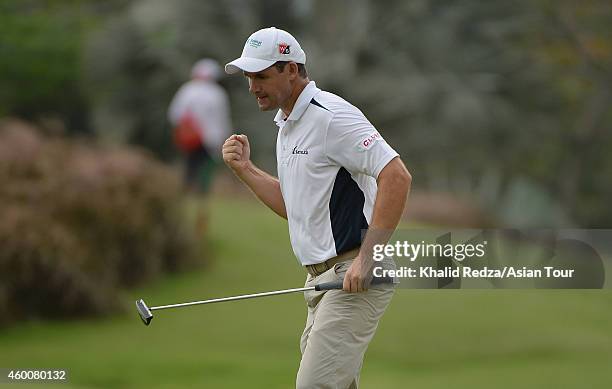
(338, 329)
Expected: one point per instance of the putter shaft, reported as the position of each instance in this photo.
(233, 298)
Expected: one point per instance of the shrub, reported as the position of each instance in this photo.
(80, 222)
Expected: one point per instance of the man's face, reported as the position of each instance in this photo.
(271, 87)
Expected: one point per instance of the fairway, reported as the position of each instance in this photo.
(427, 339)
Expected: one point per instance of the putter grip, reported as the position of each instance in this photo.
(338, 284)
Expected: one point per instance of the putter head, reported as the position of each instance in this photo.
(144, 312)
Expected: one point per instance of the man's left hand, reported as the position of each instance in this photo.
(358, 276)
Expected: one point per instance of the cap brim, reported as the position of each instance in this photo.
(251, 65)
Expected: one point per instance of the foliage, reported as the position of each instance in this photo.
(132, 85)
(79, 222)
(40, 59)
(485, 100)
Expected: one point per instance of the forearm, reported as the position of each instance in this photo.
(390, 202)
(394, 184)
(265, 186)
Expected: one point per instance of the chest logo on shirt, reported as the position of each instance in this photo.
(297, 151)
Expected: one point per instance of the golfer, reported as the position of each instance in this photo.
(336, 178)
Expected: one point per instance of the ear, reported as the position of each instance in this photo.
(293, 70)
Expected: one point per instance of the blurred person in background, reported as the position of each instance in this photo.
(200, 116)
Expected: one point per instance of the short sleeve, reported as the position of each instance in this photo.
(353, 143)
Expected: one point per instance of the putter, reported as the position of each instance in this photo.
(146, 312)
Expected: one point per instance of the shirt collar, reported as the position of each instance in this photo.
(302, 102)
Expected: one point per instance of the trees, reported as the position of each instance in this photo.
(505, 102)
(40, 60)
(502, 102)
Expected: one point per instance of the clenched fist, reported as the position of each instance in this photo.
(237, 152)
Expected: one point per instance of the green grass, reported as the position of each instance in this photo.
(427, 339)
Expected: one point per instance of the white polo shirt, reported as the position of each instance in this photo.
(329, 156)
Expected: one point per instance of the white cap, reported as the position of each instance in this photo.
(264, 48)
(207, 69)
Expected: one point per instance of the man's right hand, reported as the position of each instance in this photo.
(237, 153)
(237, 156)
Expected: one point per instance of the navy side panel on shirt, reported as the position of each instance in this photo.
(346, 212)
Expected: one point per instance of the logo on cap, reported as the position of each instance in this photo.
(283, 48)
(254, 43)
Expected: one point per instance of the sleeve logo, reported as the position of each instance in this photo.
(368, 142)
